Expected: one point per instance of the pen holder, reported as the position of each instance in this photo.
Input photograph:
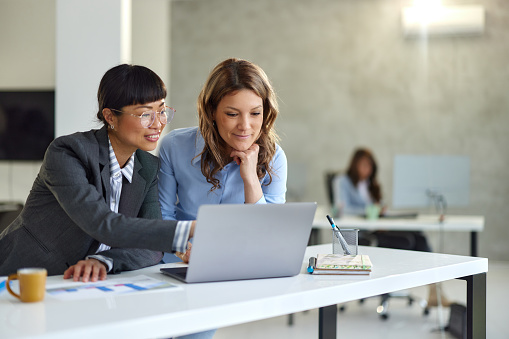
(351, 236)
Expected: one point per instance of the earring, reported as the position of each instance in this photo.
(112, 127)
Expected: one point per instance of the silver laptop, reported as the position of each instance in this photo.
(247, 241)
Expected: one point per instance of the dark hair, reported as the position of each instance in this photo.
(353, 174)
(125, 85)
(227, 77)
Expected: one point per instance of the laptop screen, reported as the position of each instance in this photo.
(249, 241)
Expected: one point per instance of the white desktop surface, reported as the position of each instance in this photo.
(198, 307)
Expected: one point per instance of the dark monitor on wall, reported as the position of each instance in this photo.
(27, 124)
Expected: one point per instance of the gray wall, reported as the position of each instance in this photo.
(346, 77)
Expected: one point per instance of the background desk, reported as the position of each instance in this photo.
(455, 223)
(199, 307)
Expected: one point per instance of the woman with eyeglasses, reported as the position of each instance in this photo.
(232, 157)
(93, 208)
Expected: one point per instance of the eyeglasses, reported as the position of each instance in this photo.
(147, 118)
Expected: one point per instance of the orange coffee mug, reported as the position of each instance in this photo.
(32, 284)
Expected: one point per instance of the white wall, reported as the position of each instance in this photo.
(151, 40)
(27, 40)
(91, 37)
(28, 61)
(151, 36)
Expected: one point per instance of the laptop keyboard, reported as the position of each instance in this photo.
(176, 272)
(182, 273)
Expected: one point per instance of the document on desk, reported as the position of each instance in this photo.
(109, 287)
(2, 284)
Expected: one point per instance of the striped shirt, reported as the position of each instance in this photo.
(116, 175)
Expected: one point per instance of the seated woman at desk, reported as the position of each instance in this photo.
(94, 204)
(232, 156)
(359, 188)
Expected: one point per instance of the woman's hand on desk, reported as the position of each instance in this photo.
(90, 269)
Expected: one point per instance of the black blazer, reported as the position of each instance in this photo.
(67, 213)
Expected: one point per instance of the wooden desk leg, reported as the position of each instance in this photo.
(327, 322)
(473, 244)
(476, 306)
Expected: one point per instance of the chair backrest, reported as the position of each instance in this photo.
(9, 212)
(329, 185)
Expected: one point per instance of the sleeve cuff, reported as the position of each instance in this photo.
(103, 259)
(262, 200)
(181, 236)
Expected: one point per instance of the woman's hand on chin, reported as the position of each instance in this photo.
(248, 161)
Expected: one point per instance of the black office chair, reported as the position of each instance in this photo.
(329, 181)
(9, 212)
(388, 239)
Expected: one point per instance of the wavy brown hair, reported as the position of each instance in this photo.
(228, 77)
(353, 174)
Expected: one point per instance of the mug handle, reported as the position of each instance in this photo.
(8, 285)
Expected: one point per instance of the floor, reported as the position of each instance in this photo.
(361, 319)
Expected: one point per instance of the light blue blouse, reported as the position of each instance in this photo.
(183, 187)
(348, 196)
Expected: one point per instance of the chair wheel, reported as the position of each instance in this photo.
(426, 311)
(384, 316)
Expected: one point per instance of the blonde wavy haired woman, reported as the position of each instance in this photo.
(232, 157)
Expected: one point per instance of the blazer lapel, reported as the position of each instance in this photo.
(130, 201)
(104, 162)
(105, 179)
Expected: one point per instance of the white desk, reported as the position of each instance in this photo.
(454, 223)
(198, 307)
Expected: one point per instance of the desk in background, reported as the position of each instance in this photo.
(455, 223)
(204, 306)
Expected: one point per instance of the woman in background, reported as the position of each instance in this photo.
(232, 156)
(358, 189)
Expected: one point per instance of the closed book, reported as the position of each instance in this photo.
(342, 264)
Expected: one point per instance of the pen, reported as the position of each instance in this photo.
(312, 264)
(339, 235)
